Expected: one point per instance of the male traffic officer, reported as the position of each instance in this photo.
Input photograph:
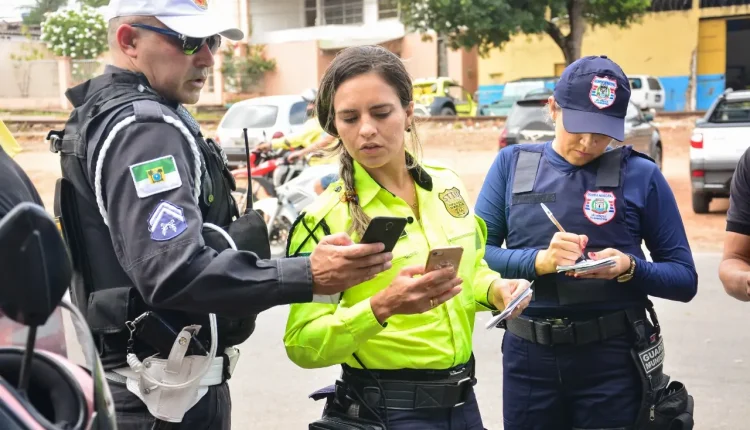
(139, 182)
(734, 270)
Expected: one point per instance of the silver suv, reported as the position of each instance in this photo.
(719, 139)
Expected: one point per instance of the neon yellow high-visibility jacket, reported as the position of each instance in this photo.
(322, 334)
(9, 144)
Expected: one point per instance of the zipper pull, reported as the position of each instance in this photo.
(651, 415)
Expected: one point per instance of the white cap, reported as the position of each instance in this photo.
(189, 17)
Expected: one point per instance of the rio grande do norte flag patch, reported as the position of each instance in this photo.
(155, 176)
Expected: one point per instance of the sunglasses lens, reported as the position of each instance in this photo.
(191, 45)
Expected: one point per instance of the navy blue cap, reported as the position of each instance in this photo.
(594, 93)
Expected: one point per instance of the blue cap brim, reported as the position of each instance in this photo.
(576, 121)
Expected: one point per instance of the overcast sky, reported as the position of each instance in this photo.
(10, 10)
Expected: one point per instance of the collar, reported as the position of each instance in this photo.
(112, 75)
(367, 187)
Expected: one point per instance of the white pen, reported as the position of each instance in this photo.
(559, 227)
(552, 217)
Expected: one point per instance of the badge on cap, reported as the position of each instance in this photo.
(203, 4)
(599, 206)
(602, 92)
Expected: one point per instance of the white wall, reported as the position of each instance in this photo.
(282, 21)
(273, 15)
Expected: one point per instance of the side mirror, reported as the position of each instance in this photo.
(36, 266)
(36, 272)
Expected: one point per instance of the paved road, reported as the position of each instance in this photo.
(707, 349)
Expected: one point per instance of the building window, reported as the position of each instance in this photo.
(667, 5)
(722, 3)
(311, 12)
(334, 12)
(343, 11)
(387, 9)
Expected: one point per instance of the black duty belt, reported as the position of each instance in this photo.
(428, 389)
(561, 331)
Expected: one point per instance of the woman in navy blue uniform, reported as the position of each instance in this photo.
(567, 361)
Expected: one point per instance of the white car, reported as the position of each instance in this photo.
(718, 142)
(646, 92)
(264, 118)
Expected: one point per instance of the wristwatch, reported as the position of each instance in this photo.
(625, 277)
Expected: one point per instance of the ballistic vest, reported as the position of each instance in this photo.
(101, 288)
(589, 201)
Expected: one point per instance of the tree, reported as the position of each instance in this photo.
(79, 34)
(243, 72)
(488, 24)
(36, 13)
(94, 3)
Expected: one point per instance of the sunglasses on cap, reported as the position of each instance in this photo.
(190, 45)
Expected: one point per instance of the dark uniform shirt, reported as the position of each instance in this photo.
(149, 181)
(15, 185)
(651, 211)
(738, 216)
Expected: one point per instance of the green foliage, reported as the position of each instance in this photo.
(242, 72)
(76, 34)
(94, 3)
(36, 13)
(489, 24)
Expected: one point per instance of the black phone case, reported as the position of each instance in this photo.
(386, 230)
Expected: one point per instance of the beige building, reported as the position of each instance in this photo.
(303, 36)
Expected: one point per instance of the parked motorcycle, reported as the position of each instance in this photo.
(42, 389)
(267, 176)
(262, 168)
(291, 198)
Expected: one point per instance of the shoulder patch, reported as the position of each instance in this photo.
(155, 176)
(166, 222)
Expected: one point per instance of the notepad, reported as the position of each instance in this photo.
(587, 266)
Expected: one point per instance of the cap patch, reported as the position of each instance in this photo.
(203, 4)
(602, 92)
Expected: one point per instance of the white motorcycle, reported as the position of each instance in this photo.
(292, 197)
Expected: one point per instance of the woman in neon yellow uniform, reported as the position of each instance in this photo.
(407, 326)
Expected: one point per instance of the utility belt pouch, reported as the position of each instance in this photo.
(108, 311)
(338, 413)
(155, 332)
(665, 404)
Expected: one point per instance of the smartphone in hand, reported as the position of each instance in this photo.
(443, 257)
(385, 230)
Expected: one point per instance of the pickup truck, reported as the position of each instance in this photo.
(718, 141)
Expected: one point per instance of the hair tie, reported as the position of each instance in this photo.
(350, 196)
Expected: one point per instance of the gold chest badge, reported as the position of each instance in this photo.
(454, 202)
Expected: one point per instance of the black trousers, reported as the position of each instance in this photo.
(212, 412)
